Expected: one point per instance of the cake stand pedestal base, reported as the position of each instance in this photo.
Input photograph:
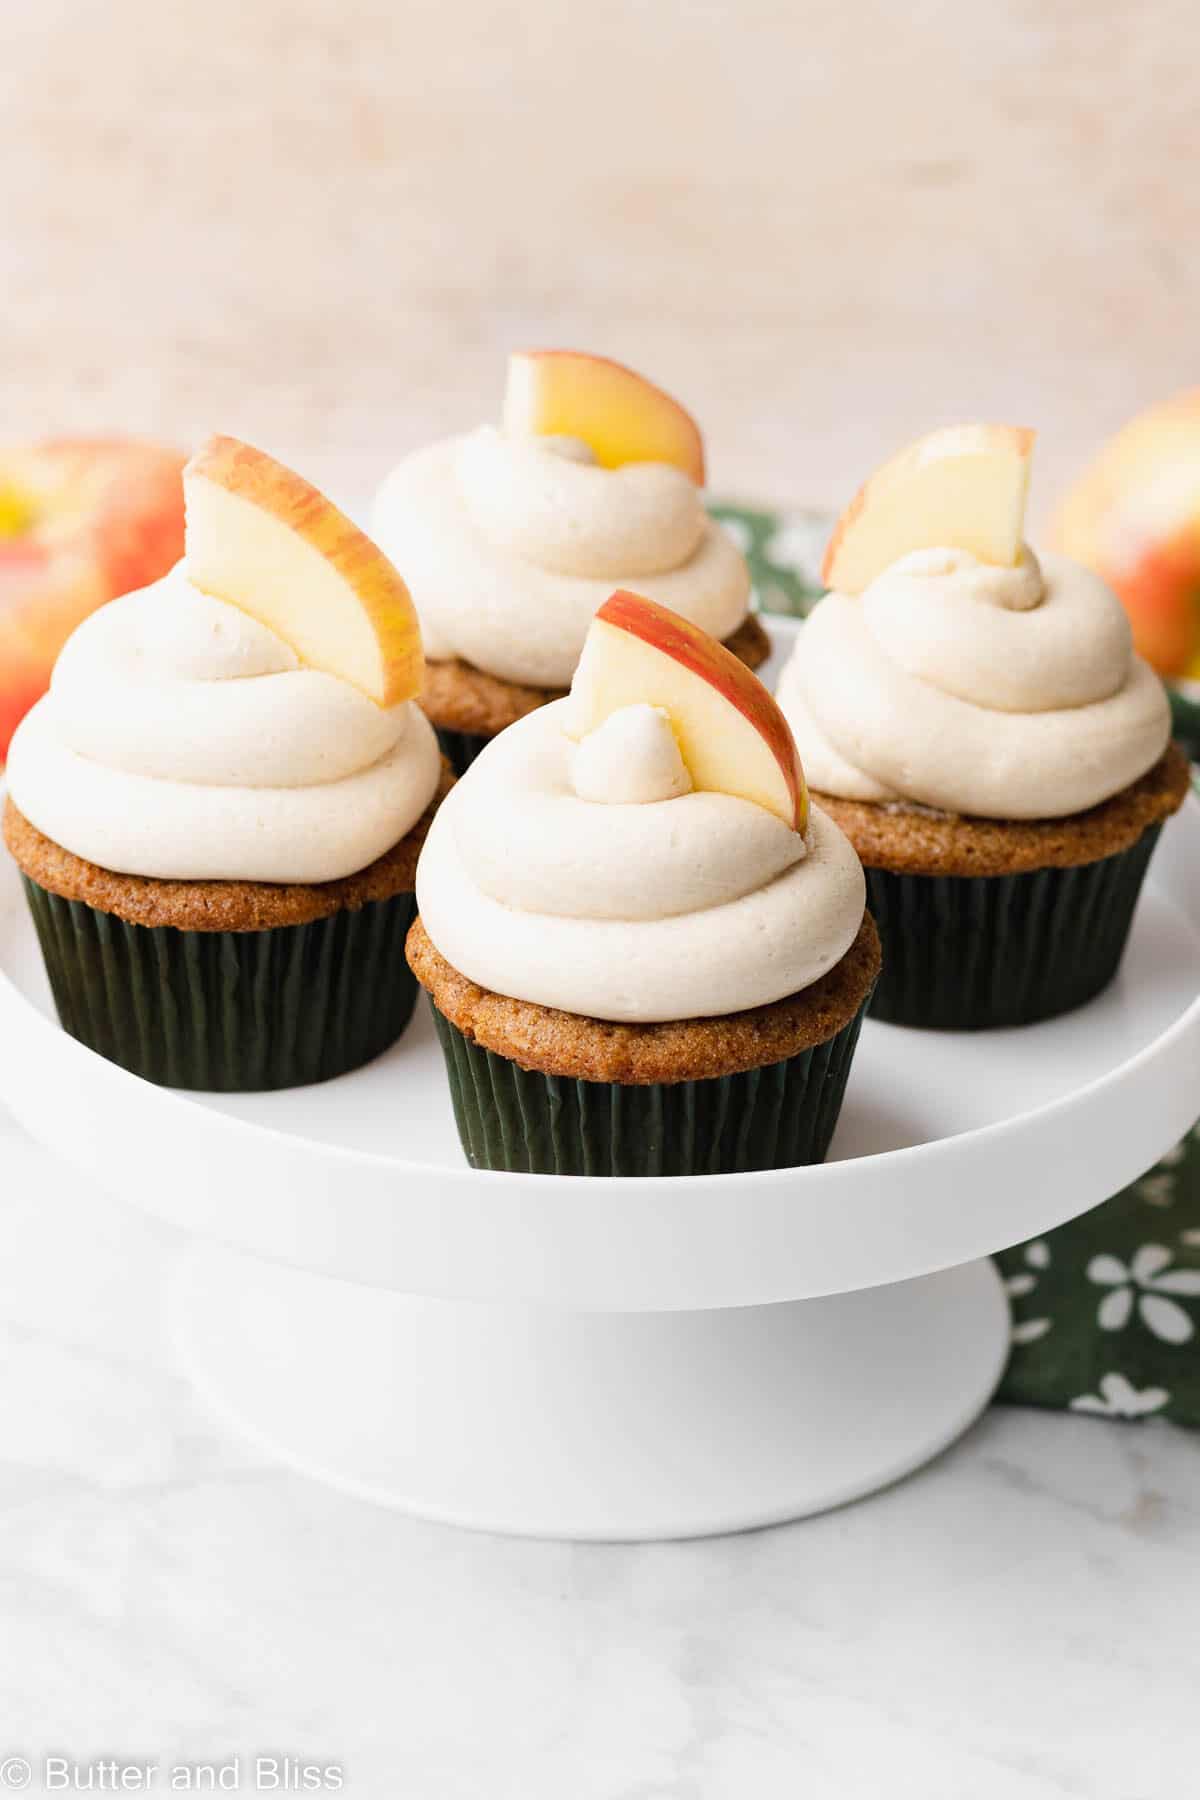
(560, 1424)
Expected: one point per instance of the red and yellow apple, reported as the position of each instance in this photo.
(961, 488)
(81, 521)
(268, 542)
(621, 416)
(731, 734)
(1134, 517)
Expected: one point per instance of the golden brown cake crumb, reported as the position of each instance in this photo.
(563, 1043)
(750, 643)
(459, 697)
(217, 905)
(907, 841)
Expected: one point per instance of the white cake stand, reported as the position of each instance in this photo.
(622, 1358)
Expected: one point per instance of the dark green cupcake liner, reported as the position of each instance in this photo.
(775, 1117)
(968, 953)
(229, 1011)
(462, 747)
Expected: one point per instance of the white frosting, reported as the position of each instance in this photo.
(633, 758)
(664, 909)
(181, 739)
(1002, 693)
(509, 545)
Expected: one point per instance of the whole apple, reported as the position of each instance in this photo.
(81, 521)
(1134, 517)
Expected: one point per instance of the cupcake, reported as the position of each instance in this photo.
(646, 955)
(217, 808)
(976, 721)
(512, 538)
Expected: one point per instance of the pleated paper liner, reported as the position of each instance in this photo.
(969, 953)
(462, 747)
(229, 1011)
(775, 1117)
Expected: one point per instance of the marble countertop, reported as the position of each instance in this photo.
(1017, 1622)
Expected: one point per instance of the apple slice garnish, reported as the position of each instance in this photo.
(733, 737)
(270, 543)
(622, 417)
(961, 488)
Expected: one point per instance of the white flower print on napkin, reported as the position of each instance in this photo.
(1119, 1399)
(1037, 1257)
(1145, 1285)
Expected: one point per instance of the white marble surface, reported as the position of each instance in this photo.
(1018, 1622)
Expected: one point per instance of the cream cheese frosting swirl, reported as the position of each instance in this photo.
(639, 910)
(509, 545)
(999, 693)
(181, 739)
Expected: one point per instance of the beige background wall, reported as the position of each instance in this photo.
(824, 226)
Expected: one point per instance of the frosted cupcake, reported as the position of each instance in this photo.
(512, 537)
(975, 719)
(646, 955)
(217, 808)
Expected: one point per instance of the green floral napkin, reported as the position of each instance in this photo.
(1106, 1310)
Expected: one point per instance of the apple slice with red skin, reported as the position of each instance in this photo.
(961, 488)
(264, 539)
(622, 417)
(731, 733)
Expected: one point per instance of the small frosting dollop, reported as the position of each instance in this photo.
(510, 544)
(1017, 589)
(632, 759)
(181, 739)
(1000, 693)
(690, 905)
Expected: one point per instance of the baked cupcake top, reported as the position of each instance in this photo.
(950, 667)
(642, 850)
(250, 716)
(511, 538)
